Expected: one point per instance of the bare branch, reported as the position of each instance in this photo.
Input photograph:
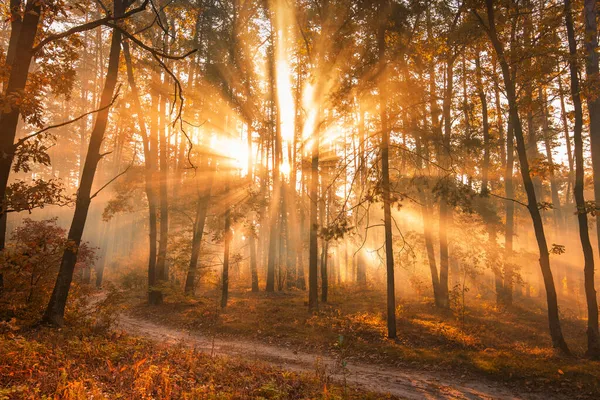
(109, 182)
(88, 26)
(144, 46)
(26, 138)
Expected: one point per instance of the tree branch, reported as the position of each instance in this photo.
(88, 26)
(26, 138)
(109, 182)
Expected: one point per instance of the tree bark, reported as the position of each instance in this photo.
(199, 223)
(54, 314)
(313, 295)
(593, 338)
(227, 244)
(486, 126)
(386, 191)
(149, 168)
(161, 261)
(17, 80)
(551, 297)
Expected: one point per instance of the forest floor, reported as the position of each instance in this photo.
(80, 363)
(483, 353)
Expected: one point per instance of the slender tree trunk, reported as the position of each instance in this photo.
(149, 167)
(301, 278)
(199, 223)
(361, 267)
(510, 216)
(548, 145)
(253, 267)
(225, 277)
(593, 336)
(593, 73)
(445, 212)
(56, 307)
(552, 301)
(161, 262)
(313, 295)
(324, 243)
(426, 211)
(21, 56)
(486, 126)
(386, 191)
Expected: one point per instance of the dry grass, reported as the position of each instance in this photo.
(78, 364)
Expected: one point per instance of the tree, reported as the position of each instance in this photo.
(56, 306)
(593, 336)
(489, 27)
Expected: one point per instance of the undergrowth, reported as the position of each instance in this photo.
(507, 345)
(80, 364)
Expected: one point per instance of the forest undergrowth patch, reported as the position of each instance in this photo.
(505, 345)
(76, 363)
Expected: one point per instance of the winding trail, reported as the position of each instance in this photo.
(380, 379)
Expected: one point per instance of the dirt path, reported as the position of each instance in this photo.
(398, 382)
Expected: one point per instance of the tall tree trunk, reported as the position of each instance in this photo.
(593, 337)
(510, 215)
(593, 73)
(548, 145)
(149, 168)
(385, 188)
(426, 211)
(565, 123)
(361, 267)
(253, 267)
(486, 126)
(552, 301)
(21, 56)
(445, 212)
(313, 295)
(301, 277)
(227, 245)
(202, 204)
(252, 233)
(56, 307)
(161, 261)
(324, 243)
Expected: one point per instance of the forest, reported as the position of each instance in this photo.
(299, 199)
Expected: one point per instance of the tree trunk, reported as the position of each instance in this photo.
(56, 307)
(9, 118)
(253, 268)
(593, 337)
(149, 168)
(361, 267)
(199, 223)
(445, 212)
(225, 277)
(548, 145)
(565, 123)
(313, 295)
(552, 301)
(486, 127)
(161, 261)
(385, 188)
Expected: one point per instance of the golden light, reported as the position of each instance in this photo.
(283, 72)
(233, 150)
(285, 168)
